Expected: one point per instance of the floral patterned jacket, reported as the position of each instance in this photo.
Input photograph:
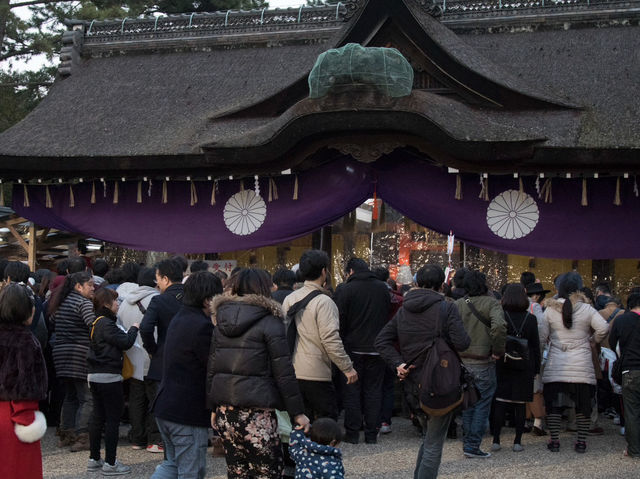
(313, 460)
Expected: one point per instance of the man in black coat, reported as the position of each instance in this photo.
(364, 304)
(159, 314)
(626, 331)
(181, 406)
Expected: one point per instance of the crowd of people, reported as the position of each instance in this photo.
(270, 364)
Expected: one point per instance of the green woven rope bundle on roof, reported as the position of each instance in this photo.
(354, 65)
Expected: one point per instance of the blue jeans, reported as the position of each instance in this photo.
(476, 419)
(186, 450)
(430, 453)
(77, 405)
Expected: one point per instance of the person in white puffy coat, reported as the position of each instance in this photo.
(144, 430)
(569, 377)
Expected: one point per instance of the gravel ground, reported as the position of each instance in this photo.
(395, 454)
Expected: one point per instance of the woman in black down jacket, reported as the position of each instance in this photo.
(105, 360)
(250, 375)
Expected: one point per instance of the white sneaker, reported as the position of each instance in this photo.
(495, 447)
(622, 431)
(517, 448)
(94, 465)
(155, 448)
(117, 469)
(616, 420)
(385, 428)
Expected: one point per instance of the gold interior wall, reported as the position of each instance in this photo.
(546, 269)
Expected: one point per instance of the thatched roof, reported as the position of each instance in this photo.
(203, 92)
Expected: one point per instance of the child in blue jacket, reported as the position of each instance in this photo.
(317, 457)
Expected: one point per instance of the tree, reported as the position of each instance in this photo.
(23, 39)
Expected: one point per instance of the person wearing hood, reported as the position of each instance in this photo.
(181, 406)
(250, 375)
(364, 304)
(413, 328)
(144, 430)
(130, 272)
(569, 377)
(317, 456)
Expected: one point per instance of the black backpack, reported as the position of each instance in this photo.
(440, 387)
(516, 348)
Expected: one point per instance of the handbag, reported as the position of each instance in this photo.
(616, 369)
(127, 365)
(516, 355)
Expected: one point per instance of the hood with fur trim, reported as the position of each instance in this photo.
(575, 298)
(234, 315)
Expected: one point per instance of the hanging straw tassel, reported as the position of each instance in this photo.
(484, 190)
(47, 197)
(273, 190)
(1, 194)
(241, 185)
(139, 195)
(213, 194)
(584, 201)
(116, 193)
(458, 195)
(194, 194)
(93, 192)
(26, 197)
(616, 199)
(164, 192)
(72, 199)
(521, 186)
(545, 191)
(295, 189)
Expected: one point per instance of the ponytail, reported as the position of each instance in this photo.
(567, 313)
(568, 284)
(65, 289)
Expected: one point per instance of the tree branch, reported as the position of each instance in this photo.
(17, 53)
(31, 83)
(32, 2)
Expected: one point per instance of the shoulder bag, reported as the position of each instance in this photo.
(292, 331)
(127, 365)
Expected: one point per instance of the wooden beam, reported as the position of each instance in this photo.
(15, 221)
(33, 246)
(18, 236)
(43, 236)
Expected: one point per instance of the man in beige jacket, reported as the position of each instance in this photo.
(318, 342)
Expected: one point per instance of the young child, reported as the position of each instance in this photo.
(317, 457)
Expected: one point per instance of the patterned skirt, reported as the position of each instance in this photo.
(251, 442)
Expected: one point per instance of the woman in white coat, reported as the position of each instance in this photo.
(569, 378)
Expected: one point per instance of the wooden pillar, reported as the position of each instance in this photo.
(33, 246)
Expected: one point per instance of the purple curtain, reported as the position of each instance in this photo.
(510, 222)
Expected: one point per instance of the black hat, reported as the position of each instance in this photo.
(536, 288)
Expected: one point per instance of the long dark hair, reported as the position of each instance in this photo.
(63, 291)
(568, 284)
